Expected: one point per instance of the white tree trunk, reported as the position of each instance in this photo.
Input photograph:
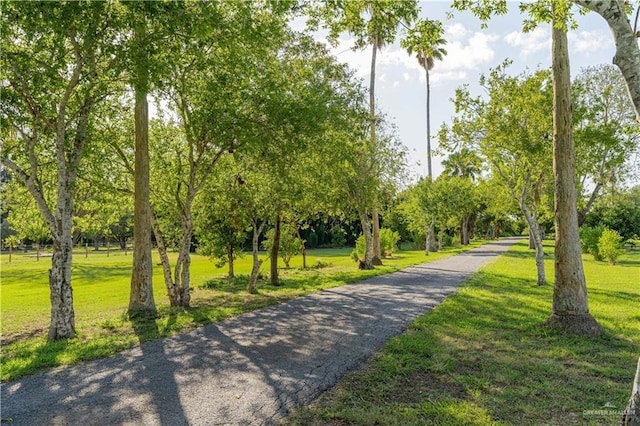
(627, 56)
(172, 292)
(536, 237)
(257, 230)
(61, 294)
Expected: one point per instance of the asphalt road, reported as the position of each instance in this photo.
(248, 370)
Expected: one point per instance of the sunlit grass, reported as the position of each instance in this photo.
(486, 357)
(101, 294)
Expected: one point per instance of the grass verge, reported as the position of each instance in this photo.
(485, 357)
(101, 293)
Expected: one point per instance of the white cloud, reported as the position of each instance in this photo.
(589, 41)
(532, 42)
(455, 31)
(394, 66)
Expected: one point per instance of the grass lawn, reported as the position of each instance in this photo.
(485, 356)
(101, 296)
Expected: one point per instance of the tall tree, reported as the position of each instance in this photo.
(426, 40)
(605, 131)
(54, 58)
(374, 23)
(512, 130)
(570, 303)
(570, 307)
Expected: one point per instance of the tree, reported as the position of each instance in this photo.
(150, 23)
(373, 23)
(12, 241)
(425, 39)
(289, 245)
(221, 235)
(55, 60)
(605, 132)
(570, 303)
(512, 131)
(610, 245)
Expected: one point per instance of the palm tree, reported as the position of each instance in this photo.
(463, 163)
(384, 19)
(425, 39)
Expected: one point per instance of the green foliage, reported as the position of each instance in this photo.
(388, 241)
(358, 251)
(338, 236)
(388, 244)
(320, 264)
(620, 213)
(289, 244)
(610, 245)
(12, 241)
(589, 238)
(425, 39)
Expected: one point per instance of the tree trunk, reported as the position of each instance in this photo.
(274, 252)
(376, 252)
(627, 56)
(429, 170)
(367, 262)
(376, 257)
(304, 248)
(182, 273)
(172, 291)
(426, 241)
(231, 274)
(141, 299)
(535, 237)
(62, 313)
(257, 230)
(532, 241)
(570, 303)
(631, 415)
(464, 230)
(431, 238)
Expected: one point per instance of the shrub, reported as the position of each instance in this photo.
(589, 238)
(319, 264)
(388, 241)
(358, 251)
(610, 245)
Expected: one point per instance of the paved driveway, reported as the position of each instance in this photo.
(248, 370)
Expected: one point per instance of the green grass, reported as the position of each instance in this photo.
(486, 357)
(101, 295)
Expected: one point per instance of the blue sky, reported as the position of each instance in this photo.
(472, 51)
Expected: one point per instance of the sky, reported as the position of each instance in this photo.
(400, 81)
